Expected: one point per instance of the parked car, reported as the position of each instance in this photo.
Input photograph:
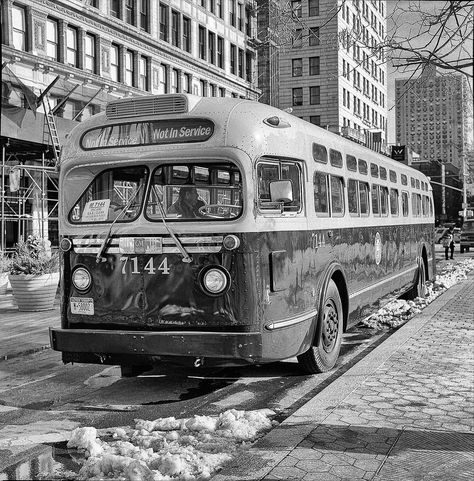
(467, 236)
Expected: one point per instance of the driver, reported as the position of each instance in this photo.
(188, 203)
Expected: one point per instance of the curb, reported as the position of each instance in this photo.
(26, 352)
(255, 463)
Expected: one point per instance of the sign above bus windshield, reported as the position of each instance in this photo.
(152, 132)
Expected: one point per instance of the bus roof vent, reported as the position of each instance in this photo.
(149, 105)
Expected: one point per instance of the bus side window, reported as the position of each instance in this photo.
(394, 202)
(352, 196)
(337, 196)
(364, 198)
(321, 201)
(405, 204)
(383, 200)
(375, 199)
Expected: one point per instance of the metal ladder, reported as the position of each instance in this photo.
(53, 131)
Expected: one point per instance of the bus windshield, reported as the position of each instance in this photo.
(195, 192)
(114, 195)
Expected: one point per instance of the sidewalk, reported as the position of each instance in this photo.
(404, 412)
(24, 332)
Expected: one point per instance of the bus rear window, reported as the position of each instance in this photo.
(114, 195)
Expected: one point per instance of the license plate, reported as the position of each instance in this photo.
(82, 305)
(141, 245)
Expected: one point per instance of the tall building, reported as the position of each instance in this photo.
(332, 73)
(434, 116)
(79, 54)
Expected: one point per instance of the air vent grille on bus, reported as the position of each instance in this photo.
(141, 106)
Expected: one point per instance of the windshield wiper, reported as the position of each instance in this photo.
(99, 257)
(186, 257)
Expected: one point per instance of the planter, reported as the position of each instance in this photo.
(3, 282)
(34, 292)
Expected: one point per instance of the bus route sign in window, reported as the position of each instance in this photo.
(152, 132)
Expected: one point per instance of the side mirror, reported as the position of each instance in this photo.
(281, 191)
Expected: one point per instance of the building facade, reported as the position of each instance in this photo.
(434, 116)
(333, 74)
(68, 58)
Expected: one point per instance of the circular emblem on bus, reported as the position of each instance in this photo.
(378, 248)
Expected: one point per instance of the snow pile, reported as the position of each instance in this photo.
(397, 312)
(168, 449)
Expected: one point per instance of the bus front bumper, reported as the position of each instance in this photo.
(224, 345)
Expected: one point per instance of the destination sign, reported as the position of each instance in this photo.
(153, 132)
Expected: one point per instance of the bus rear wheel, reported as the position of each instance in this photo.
(323, 356)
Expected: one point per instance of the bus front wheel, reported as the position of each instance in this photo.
(323, 356)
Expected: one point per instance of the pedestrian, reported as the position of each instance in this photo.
(448, 243)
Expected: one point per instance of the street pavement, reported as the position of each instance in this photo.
(403, 412)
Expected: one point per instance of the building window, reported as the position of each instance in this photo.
(240, 17)
(202, 88)
(314, 95)
(296, 9)
(130, 11)
(241, 63)
(174, 81)
(175, 28)
(164, 22)
(232, 12)
(202, 42)
(314, 65)
(297, 95)
(233, 59)
(211, 45)
(220, 52)
(143, 73)
(145, 15)
(220, 9)
(187, 83)
(115, 8)
(52, 45)
(72, 57)
(163, 83)
(249, 65)
(19, 27)
(297, 67)
(315, 119)
(313, 36)
(89, 53)
(298, 38)
(128, 80)
(186, 34)
(115, 63)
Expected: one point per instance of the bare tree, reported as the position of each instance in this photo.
(437, 33)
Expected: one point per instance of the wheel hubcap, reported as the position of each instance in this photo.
(330, 327)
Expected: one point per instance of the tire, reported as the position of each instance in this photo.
(421, 281)
(461, 249)
(323, 357)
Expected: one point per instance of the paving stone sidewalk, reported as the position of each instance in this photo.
(405, 412)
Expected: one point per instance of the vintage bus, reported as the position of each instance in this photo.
(296, 234)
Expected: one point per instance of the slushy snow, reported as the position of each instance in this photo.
(169, 449)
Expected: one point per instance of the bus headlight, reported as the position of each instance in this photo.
(231, 242)
(81, 279)
(65, 244)
(215, 280)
